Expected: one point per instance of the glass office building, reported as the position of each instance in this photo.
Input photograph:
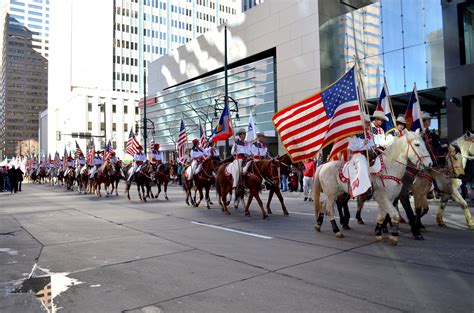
(251, 85)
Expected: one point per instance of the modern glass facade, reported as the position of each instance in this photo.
(396, 39)
(468, 33)
(251, 85)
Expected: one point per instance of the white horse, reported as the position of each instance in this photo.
(451, 189)
(386, 184)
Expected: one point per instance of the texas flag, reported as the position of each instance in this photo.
(386, 108)
(224, 128)
(413, 112)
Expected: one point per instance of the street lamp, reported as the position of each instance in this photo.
(144, 112)
(102, 105)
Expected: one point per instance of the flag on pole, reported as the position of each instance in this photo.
(385, 107)
(224, 128)
(251, 133)
(339, 150)
(108, 151)
(132, 144)
(202, 137)
(56, 159)
(182, 143)
(413, 112)
(332, 114)
(90, 153)
(49, 158)
(78, 151)
(65, 157)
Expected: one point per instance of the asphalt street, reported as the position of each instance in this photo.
(115, 255)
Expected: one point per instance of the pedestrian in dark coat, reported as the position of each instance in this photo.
(13, 179)
(19, 177)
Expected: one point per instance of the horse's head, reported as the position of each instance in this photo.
(454, 161)
(415, 148)
(107, 168)
(468, 143)
(214, 162)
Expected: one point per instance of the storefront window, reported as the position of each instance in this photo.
(468, 24)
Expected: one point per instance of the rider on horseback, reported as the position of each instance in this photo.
(259, 151)
(197, 155)
(432, 141)
(378, 133)
(97, 163)
(156, 156)
(401, 125)
(212, 151)
(139, 159)
(359, 145)
(81, 162)
(240, 149)
(70, 165)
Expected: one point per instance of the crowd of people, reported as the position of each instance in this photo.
(11, 179)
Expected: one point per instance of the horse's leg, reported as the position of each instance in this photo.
(165, 186)
(455, 184)
(404, 198)
(249, 201)
(330, 212)
(360, 204)
(277, 191)
(201, 196)
(343, 209)
(260, 203)
(208, 199)
(116, 186)
(223, 193)
(385, 206)
(270, 196)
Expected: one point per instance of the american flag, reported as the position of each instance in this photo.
(132, 144)
(56, 159)
(310, 125)
(65, 157)
(182, 143)
(78, 151)
(202, 137)
(108, 151)
(90, 154)
(339, 150)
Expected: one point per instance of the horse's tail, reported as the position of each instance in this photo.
(317, 194)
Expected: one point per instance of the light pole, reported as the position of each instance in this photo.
(102, 105)
(144, 112)
(226, 85)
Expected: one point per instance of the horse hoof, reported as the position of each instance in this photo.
(247, 213)
(210, 202)
(360, 222)
(317, 227)
(393, 240)
(346, 227)
(285, 212)
(208, 207)
(266, 217)
(269, 211)
(418, 237)
(227, 213)
(166, 197)
(339, 234)
(442, 224)
(379, 238)
(384, 230)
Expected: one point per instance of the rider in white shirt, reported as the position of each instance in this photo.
(97, 163)
(197, 156)
(139, 159)
(378, 133)
(240, 150)
(156, 156)
(81, 162)
(211, 150)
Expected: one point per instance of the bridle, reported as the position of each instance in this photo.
(419, 157)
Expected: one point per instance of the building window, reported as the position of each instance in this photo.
(467, 52)
(114, 108)
(102, 126)
(89, 107)
(114, 145)
(136, 111)
(114, 127)
(89, 126)
(125, 109)
(125, 127)
(102, 108)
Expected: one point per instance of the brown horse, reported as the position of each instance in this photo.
(82, 180)
(69, 179)
(161, 176)
(115, 176)
(102, 177)
(143, 179)
(285, 169)
(205, 179)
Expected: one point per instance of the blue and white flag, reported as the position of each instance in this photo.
(413, 112)
(385, 107)
(251, 133)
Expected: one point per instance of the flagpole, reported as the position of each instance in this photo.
(389, 100)
(360, 85)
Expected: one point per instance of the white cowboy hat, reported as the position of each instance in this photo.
(380, 115)
(425, 115)
(401, 119)
(241, 131)
(366, 118)
(260, 134)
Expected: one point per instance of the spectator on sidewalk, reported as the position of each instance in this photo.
(2, 179)
(179, 173)
(310, 170)
(6, 179)
(19, 177)
(13, 180)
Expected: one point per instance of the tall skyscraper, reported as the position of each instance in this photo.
(24, 69)
(99, 58)
(248, 4)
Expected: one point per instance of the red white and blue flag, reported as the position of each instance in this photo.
(413, 112)
(91, 154)
(385, 107)
(339, 150)
(224, 128)
(182, 143)
(202, 137)
(78, 151)
(132, 144)
(332, 114)
(108, 151)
